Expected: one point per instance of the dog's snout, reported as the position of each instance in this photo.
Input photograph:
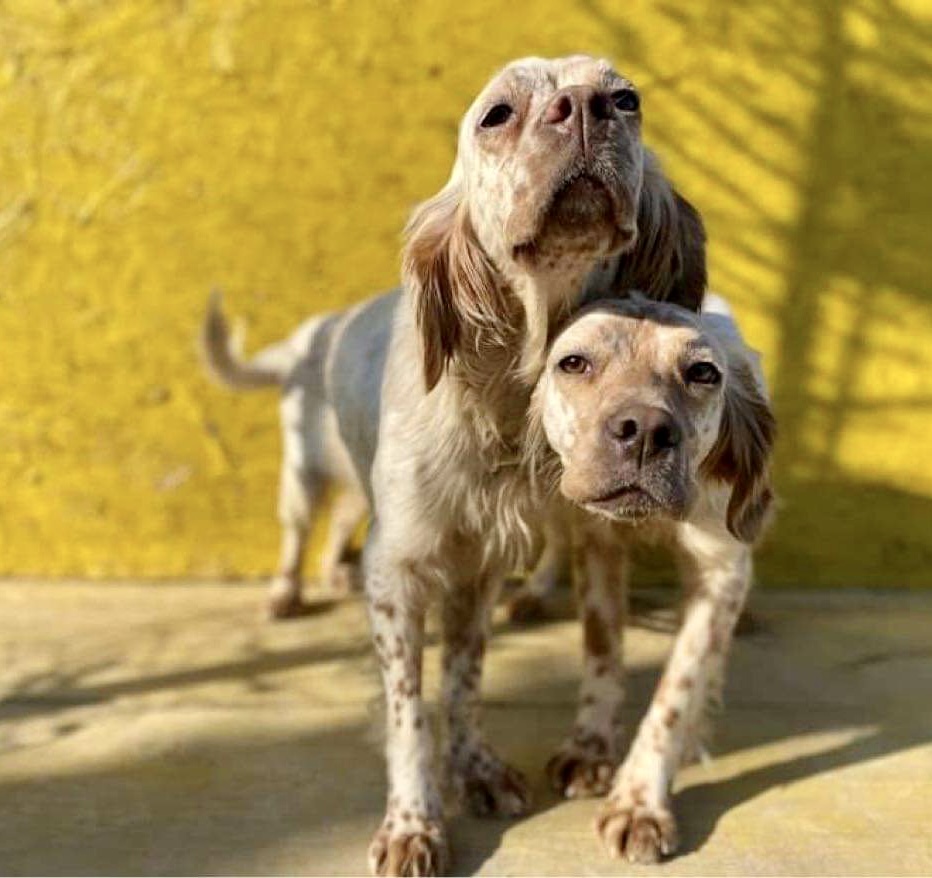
(559, 109)
(644, 432)
(576, 100)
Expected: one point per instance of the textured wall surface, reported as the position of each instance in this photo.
(149, 150)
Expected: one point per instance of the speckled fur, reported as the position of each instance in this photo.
(638, 352)
(537, 214)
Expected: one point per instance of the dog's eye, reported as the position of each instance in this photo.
(626, 100)
(574, 364)
(703, 373)
(498, 115)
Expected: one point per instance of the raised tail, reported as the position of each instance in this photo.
(222, 353)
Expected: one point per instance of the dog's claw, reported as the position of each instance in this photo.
(639, 833)
(418, 848)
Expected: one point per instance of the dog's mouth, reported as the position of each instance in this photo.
(585, 211)
(628, 502)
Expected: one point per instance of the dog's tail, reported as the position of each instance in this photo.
(222, 353)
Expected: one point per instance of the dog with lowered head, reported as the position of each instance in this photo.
(663, 431)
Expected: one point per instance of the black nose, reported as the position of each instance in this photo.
(644, 432)
(574, 100)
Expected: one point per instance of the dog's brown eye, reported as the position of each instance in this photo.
(574, 365)
(626, 100)
(703, 373)
(498, 115)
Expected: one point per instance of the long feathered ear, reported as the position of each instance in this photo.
(668, 258)
(741, 454)
(453, 282)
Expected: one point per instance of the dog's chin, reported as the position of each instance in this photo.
(630, 503)
(584, 217)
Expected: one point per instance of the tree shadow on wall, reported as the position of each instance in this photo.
(858, 244)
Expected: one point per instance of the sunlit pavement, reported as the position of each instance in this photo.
(148, 728)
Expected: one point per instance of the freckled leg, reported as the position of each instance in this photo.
(636, 820)
(700, 725)
(411, 839)
(487, 784)
(586, 762)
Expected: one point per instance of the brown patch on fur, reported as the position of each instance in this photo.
(597, 638)
(601, 669)
(454, 283)
(385, 608)
(668, 261)
(671, 717)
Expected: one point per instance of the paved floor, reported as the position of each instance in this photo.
(165, 729)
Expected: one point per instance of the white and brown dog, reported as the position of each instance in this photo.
(552, 198)
(663, 431)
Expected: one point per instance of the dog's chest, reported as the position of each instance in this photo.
(489, 502)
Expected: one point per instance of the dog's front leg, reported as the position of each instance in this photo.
(411, 839)
(636, 820)
(586, 761)
(487, 784)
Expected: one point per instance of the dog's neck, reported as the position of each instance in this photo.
(548, 295)
(496, 372)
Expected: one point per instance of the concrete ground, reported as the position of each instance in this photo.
(166, 729)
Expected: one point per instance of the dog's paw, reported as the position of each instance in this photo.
(490, 787)
(285, 601)
(579, 771)
(579, 775)
(526, 608)
(640, 833)
(410, 845)
(344, 579)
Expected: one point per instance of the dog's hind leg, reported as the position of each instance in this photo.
(299, 492)
(339, 569)
(529, 603)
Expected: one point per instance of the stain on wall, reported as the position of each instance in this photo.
(150, 150)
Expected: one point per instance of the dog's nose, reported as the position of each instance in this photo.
(644, 432)
(574, 101)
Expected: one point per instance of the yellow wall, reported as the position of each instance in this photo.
(153, 148)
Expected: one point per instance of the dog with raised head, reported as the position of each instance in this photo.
(552, 198)
(663, 431)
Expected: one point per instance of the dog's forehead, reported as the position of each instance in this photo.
(549, 74)
(631, 331)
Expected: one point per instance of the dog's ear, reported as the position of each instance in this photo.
(453, 282)
(668, 259)
(742, 451)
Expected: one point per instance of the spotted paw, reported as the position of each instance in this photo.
(639, 833)
(578, 775)
(491, 787)
(414, 846)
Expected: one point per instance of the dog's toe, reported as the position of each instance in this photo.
(577, 772)
(489, 786)
(416, 848)
(639, 833)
